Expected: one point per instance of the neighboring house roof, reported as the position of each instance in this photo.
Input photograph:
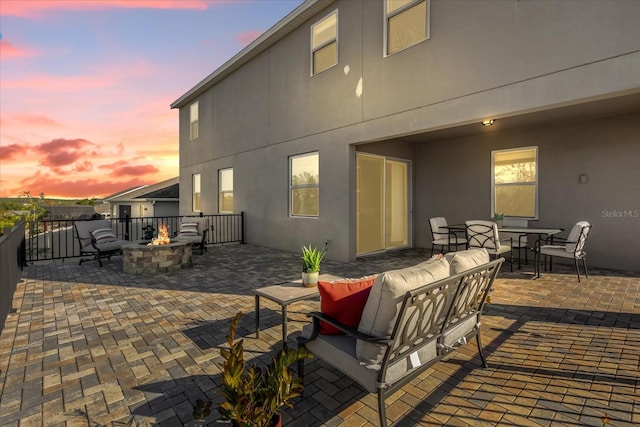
(165, 190)
(301, 14)
(170, 192)
(121, 193)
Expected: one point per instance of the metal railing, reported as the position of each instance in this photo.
(56, 239)
(12, 250)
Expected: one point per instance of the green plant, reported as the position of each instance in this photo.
(498, 217)
(254, 396)
(311, 259)
(202, 409)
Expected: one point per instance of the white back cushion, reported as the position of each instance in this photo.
(382, 307)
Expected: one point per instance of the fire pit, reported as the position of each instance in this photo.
(161, 255)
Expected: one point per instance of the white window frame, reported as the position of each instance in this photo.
(222, 191)
(194, 123)
(294, 187)
(313, 49)
(196, 177)
(535, 183)
(388, 16)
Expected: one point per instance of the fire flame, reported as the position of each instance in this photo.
(163, 236)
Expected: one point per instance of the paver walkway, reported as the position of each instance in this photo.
(91, 346)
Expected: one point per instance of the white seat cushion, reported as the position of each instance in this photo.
(559, 251)
(465, 260)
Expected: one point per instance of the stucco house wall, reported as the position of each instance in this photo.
(508, 60)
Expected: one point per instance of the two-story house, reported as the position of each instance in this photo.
(353, 122)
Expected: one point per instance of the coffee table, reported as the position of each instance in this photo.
(285, 294)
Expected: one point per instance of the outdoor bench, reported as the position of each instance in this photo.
(412, 318)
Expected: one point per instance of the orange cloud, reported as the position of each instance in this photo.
(247, 37)
(9, 51)
(38, 9)
(26, 119)
(140, 170)
(54, 186)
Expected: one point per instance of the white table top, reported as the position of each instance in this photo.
(286, 293)
(530, 230)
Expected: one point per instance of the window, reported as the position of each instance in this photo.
(196, 192)
(406, 24)
(226, 190)
(324, 43)
(193, 120)
(515, 182)
(304, 185)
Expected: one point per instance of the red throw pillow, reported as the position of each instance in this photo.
(344, 301)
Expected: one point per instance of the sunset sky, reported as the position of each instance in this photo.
(85, 86)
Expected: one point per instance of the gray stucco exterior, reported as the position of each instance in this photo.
(563, 76)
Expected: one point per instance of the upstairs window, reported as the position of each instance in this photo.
(515, 182)
(324, 43)
(193, 120)
(226, 190)
(196, 192)
(304, 185)
(406, 24)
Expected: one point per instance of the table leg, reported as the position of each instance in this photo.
(257, 316)
(284, 325)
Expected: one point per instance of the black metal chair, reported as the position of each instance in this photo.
(484, 234)
(442, 236)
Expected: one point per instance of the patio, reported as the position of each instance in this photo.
(91, 346)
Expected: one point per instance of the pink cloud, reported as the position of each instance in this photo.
(13, 151)
(62, 152)
(84, 166)
(9, 51)
(59, 84)
(26, 119)
(247, 37)
(38, 9)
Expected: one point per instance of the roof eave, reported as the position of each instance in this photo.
(284, 27)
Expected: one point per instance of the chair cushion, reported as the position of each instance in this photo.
(103, 235)
(340, 351)
(188, 228)
(559, 251)
(344, 300)
(382, 307)
(465, 260)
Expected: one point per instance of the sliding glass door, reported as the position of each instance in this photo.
(382, 203)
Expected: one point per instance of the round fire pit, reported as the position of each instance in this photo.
(138, 258)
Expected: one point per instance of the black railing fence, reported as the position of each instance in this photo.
(56, 239)
(11, 262)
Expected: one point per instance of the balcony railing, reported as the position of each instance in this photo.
(56, 239)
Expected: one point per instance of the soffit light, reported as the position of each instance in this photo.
(488, 122)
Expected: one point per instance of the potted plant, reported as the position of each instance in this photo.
(498, 217)
(311, 259)
(254, 396)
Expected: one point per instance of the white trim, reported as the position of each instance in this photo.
(536, 184)
(335, 40)
(386, 17)
(291, 187)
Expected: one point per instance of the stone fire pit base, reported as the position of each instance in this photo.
(138, 258)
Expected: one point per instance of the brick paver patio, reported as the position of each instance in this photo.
(91, 346)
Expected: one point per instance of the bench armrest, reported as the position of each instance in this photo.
(317, 317)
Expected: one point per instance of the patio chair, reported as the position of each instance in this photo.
(484, 234)
(97, 240)
(194, 230)
(442, 236)
(571, 248)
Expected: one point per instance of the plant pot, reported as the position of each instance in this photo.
(277, 420)
(310, 280)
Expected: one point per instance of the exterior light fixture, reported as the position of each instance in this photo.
(487, 122)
